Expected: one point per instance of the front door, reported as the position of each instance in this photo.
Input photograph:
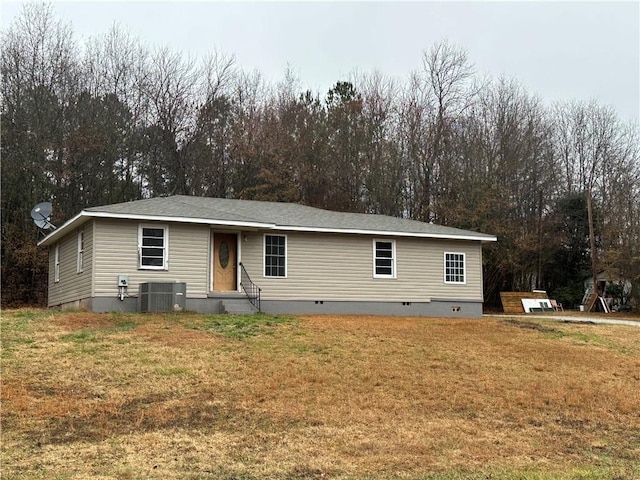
(224, 262)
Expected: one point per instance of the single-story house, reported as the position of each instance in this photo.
(283, 257)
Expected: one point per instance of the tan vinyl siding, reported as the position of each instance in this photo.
(340, 268)
(116, 248)
(72, 286)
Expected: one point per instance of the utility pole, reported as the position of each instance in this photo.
(592, 240)
(539, 276)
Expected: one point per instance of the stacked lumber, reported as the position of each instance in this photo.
(512, 301)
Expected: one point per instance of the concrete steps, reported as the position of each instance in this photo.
(238, 306)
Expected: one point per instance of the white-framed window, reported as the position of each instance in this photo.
(80, 256)
(455, 268)
(275, 255)
(56, 263)
(384, 258)
(153, 247)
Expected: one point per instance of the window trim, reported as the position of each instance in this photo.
(464, 268)
(264, 255)
(80, 252)
(165, 253)
(56, 263)
(394, 271)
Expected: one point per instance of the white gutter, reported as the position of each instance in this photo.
(84, 216)
(387, 233)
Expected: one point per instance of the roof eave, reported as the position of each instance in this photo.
(51, 237)
(390, 233)
(84, 215)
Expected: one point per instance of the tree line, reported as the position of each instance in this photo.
(112, 120)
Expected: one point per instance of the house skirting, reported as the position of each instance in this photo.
(434, 308)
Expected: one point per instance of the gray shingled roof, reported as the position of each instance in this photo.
(264, 215)
(277, 215)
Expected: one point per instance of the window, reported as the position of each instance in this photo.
(153, 246)
(454, 268)
(80, 260)
(384, 259)
(56, 264)
(275, 256)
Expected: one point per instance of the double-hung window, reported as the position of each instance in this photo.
(80, 257)
(275, 256)
(56, 263)
(454, 268)
(384, 259)
(153, 247)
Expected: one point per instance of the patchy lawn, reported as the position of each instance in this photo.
(187, 396)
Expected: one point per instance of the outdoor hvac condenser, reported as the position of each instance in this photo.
(163, 296)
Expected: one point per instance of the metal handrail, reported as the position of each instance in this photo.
(251, 290)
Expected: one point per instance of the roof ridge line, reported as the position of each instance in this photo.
(225, 211)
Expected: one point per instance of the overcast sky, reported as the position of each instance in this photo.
(558, 51)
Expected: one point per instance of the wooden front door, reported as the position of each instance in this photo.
(224, 262)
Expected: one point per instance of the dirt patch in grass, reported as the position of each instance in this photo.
(532, 325)
(190, 396)
(86, 320)
(172, 334)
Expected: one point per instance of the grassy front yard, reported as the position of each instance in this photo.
(111, 396)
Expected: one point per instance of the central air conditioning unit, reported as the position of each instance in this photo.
(163, 296)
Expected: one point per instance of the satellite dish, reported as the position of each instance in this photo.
(41, 210)
(41, 215)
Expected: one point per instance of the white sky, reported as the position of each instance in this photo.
(556, 50)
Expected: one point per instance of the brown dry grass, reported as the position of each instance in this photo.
(161, 396)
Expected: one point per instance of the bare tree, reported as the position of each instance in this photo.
(383, 179)
(447, 81)
(170, 88)
(39, 78)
